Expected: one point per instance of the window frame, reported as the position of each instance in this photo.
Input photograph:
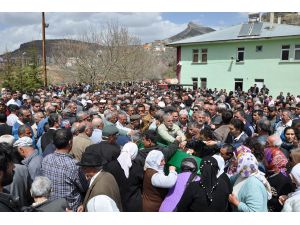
(195, 53)
(283, 50)
(296, 49)
(204, 52)
(237, 54)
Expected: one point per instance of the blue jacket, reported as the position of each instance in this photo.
(253, 195)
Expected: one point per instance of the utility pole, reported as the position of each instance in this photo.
(44, 49)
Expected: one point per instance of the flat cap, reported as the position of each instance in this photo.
(23, 142)
(135, 117)
(109, 130)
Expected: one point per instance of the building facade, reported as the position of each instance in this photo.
(240, 56)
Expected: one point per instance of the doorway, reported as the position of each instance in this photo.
(259, 83)
(195, 83)
(238, 84)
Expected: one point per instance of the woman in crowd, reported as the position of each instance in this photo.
(251, 190)
(290, 140)
(188, 174)
(292, 201)
(277, 176)
(210, 194)
(156, 184)
(129, 176)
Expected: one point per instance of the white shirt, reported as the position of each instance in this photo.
(162, 181)
(94, 177)
(11, 119)
(121, 127)
(14, 102)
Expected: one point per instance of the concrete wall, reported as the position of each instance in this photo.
(221, 71)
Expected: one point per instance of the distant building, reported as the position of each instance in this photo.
(237, 57)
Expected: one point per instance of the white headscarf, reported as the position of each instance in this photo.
(221, 164)
(153, 160)
(296, 176)
(102, 203)
(128, 153)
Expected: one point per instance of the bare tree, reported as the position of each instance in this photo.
(110, 53)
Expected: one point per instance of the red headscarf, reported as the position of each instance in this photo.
(275, 160)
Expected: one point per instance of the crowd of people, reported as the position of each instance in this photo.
(134, 147)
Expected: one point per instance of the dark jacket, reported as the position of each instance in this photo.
(8, 203)
(201, 149)
(131, 187)
(57, 205)
(194, 198)
(108, 152)
(47, 138)
(5, 129)
(280, 185)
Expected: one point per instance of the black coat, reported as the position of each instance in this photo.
(8, 203)
(201, 149)
(5, 129)
(107, 152)
(131, 188)
(280, 185)
(47, 138)
(194, 199)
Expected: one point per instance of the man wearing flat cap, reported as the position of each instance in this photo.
(107, 149)
(31, 157)
(101, 182)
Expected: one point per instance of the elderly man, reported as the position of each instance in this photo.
(40, 191)
(31, 157)
(67, 179)
(107, 149)
(82, 140)
(97, 132)
(168, 131)
(286, 121)
(101, 182)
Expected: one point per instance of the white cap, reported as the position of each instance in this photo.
(161, 104)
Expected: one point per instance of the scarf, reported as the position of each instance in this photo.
(275, 160)
(153, 160)
(208, 181)
(128, 153)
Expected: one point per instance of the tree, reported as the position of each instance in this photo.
(20, 73)
(111, 54)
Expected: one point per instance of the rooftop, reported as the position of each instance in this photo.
(232, 33)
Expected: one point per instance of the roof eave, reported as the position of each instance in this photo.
(231, 40)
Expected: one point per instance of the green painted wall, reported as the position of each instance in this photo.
(220, 71)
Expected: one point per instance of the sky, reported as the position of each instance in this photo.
(20, 27)
(149, 20)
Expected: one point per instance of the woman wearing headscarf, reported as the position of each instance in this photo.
(102, 203)
(129, 177)
(232, 168)
(292, 201)
(280, 182)
(210, 194)
(188, 174)
(156, 184)
(251, 190)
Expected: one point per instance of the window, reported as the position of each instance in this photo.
(203, 83)
(297, 52)
(240, 54)
(195, 55)
(204, 55)
(259, 48)
(285, 51)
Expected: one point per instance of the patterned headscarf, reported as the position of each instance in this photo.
(232, 170)
(248, 166)
(128, 153)
(275, 160)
